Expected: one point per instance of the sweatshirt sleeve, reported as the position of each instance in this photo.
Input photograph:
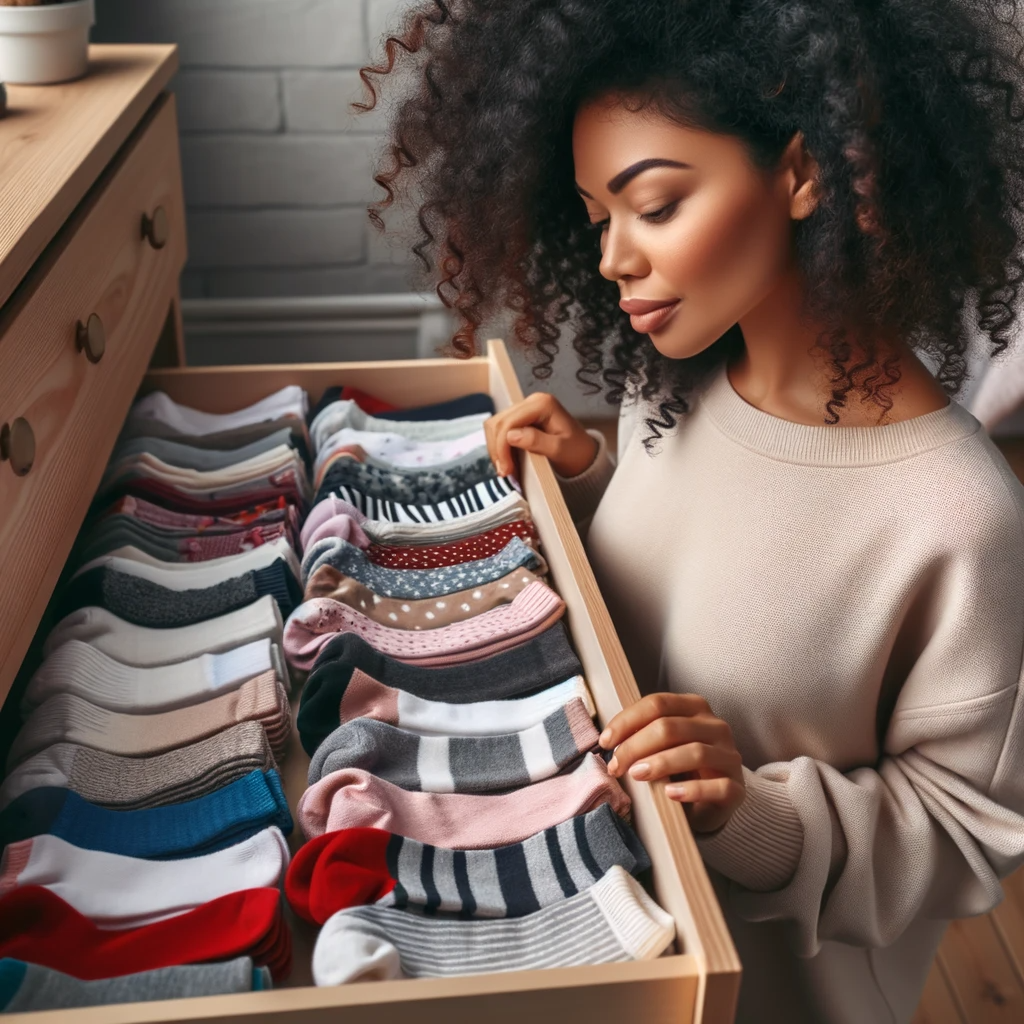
(583, 492)
(928, 831)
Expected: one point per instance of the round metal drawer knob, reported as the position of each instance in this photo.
(18, 443)
(91, 338)
(156, 230)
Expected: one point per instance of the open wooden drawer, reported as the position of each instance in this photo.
(697, 983)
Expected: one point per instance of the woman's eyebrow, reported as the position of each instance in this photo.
(623, 178)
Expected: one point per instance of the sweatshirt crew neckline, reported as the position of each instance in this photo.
(826, 445)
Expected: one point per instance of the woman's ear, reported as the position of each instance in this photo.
(801, 170)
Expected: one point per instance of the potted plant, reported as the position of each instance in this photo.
(43, 41)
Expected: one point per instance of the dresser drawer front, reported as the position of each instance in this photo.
(73, 391)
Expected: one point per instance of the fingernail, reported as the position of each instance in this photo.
(514, 435)
(640, 771)
(678, 792)
(605, 738)
(613, 766)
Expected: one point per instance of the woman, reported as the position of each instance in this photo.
(757, 218)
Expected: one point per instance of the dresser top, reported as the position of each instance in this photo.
(56, 139)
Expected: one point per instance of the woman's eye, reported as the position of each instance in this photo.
(658, 216)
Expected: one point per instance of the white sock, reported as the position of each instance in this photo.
(144, 647)
(149, 465)
(338, 415)
(399, 450)
(289, 401)
(507, 510)
(129, 892)
(81, 669)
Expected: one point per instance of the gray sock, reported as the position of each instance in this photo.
(188, 456)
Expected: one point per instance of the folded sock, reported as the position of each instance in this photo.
(313, 623)
(353, 798)
(458, 764)
(417, 583)
(144, 647)
(188, 456)
(134, 783)
(612, 921)
(358, 866)
(159, 408)
(26, 987)
(479, 402)
(529, 667)
(79, 668)
(38, 927)
(471, 549)
(204, 825)
(337, 415)
(400, 451)
(145, 603)
(366, 698)
(421, 613)
(278, 510)
(67, 718)
(115, 891)
(343, 526)
(474, 499)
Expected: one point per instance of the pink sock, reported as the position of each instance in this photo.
(311, 626)
(331, 506)
(343, 526)
(353, 798)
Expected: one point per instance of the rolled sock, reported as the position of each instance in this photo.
(344, 527)
(209, 823)
(39, 927)
(458, 764)
(534, 609)
(128, 892)
(341, 414)
(145, 603)
(400, 451)
(612, 921)
(418, 583)
(67, 718)
(529, 667)
(433, 556)
(353, 798)
(366, 698)
(422, 613)
(176, 453)
(357, 866)
(137, 645)
(474, 499)
(41, 988)
(79, 668)
(134, 783)
(159, 407)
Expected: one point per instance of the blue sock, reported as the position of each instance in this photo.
(11, 974)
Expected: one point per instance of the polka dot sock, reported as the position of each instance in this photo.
(432, 556)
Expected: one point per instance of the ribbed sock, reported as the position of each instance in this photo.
(458, 764)
(84, 670)
(534, 609)
(612, 921)
(129, 892)
(474, 499)
(401, 452)
(205, 825)
(358, 866)
(529, 667)
(41, 928)
(472, 549)
(145, 648)
(356, 799)
(67, 718)
(188, 456)
(340, 414)
(135, 783)
(32, 987)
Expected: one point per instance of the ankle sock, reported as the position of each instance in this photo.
(115, 891)
(458, 764)
(472, 549)
(353, 798)
(475, 498)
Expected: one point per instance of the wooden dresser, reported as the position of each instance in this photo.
(91, 247)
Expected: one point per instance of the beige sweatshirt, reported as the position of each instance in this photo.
(851, 601)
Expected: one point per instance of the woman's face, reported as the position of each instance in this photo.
(695, 235)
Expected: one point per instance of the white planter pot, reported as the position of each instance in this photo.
(39, 45)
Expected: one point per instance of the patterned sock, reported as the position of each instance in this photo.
(401, 452)
(340, 414)
(275, 511)
(366, 698)
(146, 648)
(67, 718)
(356, 799)
(210, 823)
(472, 549)
(366, 865)
(39, 927)
(612, 921)
(128, 892)
(188, 456)
(81, 669)
(458, 764)
(159, 408)
(527, 668)
(416, 583)
(26, 987)
(424, 613)
(476, 498)
(134, 783)
(534, 609)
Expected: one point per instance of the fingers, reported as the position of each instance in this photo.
(647, 710)
(530, 439)
(537, 409)
(709, 803)
(690, 757)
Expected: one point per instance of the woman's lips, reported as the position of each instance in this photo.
(648, 323)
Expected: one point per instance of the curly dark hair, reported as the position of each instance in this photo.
(909, 108)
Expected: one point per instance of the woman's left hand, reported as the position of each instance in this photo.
(668, 734)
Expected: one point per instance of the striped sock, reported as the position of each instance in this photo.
(612, 921)
(458, 764)
(365, 865)
(474, 499)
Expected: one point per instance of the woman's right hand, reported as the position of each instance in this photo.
(539, 424)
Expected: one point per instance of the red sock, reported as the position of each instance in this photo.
(337, 870)
(370, 404)
(39, 927)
